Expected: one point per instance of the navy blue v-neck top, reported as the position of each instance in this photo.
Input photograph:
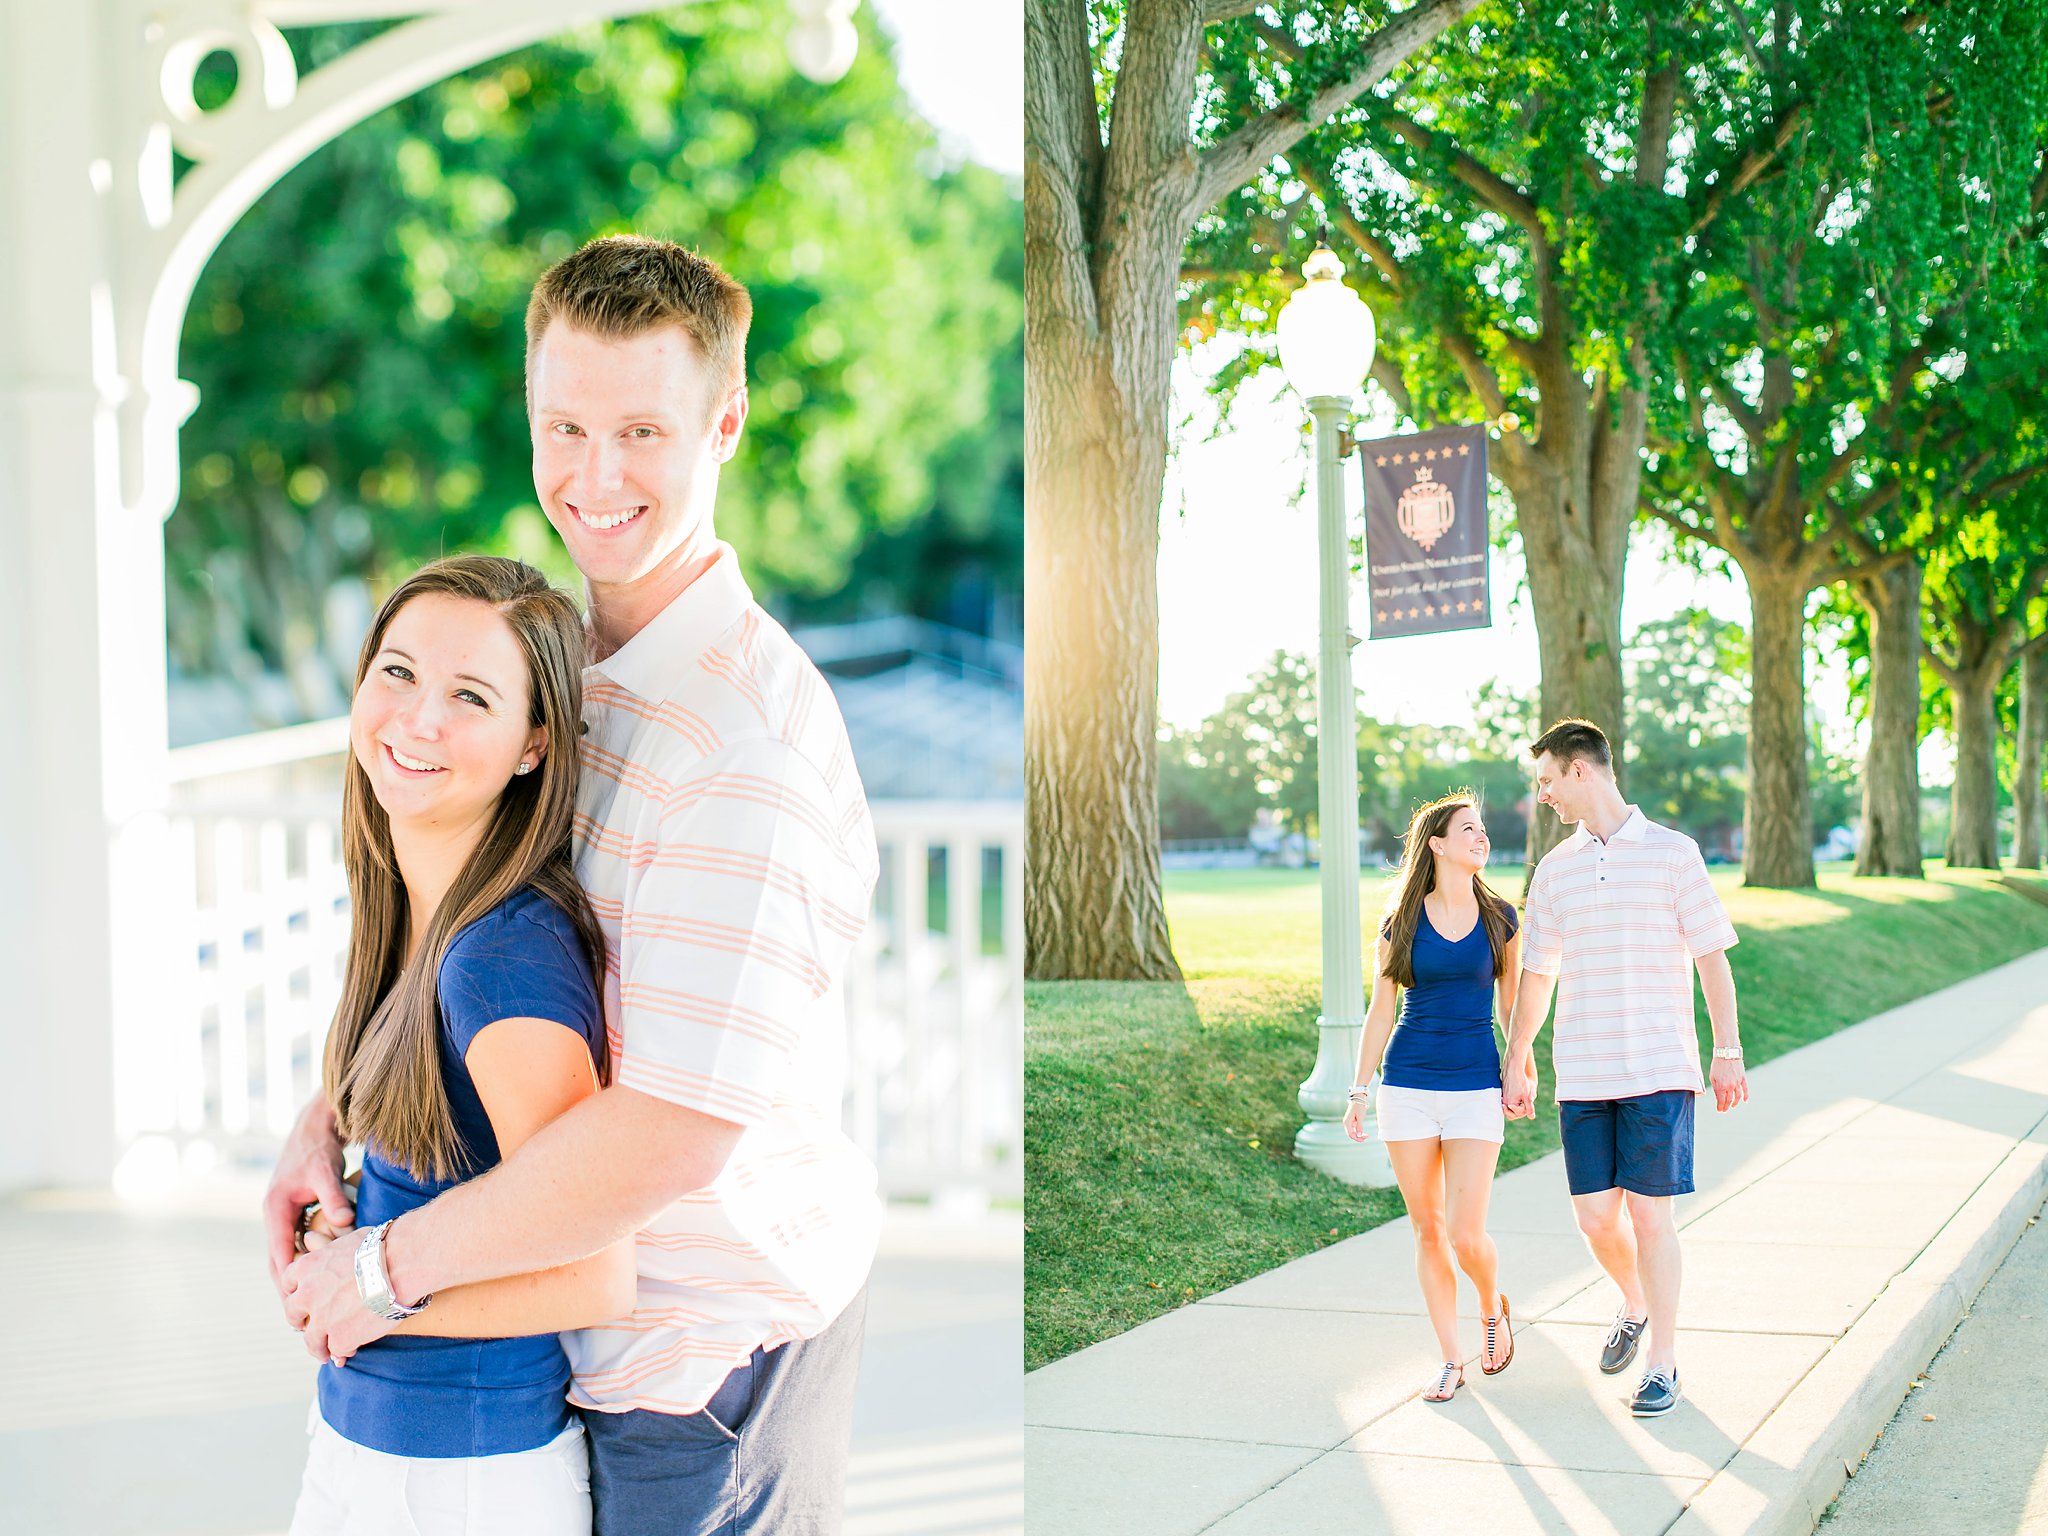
(1445, 1039)
(419, 1394)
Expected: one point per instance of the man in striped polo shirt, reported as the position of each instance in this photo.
(726, 847)
(1617, 918)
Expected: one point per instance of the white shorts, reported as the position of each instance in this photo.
(351, 1490)
(1433, 1114)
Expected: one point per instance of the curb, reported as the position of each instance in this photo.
(1787, 1474)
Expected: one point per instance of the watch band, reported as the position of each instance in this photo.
(1727, 1053)
(373, 1284)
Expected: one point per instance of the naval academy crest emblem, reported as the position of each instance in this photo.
(1426, 509)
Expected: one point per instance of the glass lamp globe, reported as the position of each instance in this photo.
(1326, 332)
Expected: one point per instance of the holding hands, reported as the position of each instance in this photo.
(305, 1210)
(321, 1301)
(1518, 1087)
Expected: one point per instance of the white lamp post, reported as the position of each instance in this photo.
(1326, 346)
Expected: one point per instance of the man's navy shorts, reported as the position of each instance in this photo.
(1642, 1144)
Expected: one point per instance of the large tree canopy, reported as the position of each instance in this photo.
(358, 338)
(1843, 293)
(1510, 201)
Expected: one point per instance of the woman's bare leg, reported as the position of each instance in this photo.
(1419, 1169)
(1468, 1186)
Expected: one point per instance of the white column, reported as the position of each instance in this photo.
(81, 620)
(1322, 1143)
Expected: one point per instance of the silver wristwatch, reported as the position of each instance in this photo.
(1727, 1053)
(373, 1284)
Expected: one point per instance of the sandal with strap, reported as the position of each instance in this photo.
(1494, 1327)
(1448, 1380)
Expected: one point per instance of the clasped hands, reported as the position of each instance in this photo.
(1518, 1088)
(306, 1213)
(1518, 1099)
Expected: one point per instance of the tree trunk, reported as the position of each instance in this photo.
(1577, 608)
(1973, 808)
(1102, 245)
(1777, 822)
(1092, 900)
(1575, 496)
(2028, 798)
(1890, 844)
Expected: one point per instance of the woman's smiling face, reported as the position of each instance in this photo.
(1464, 841)
(442, 718)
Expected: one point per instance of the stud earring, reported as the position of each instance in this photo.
(524, 768)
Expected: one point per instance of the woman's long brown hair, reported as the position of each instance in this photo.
(1417, 878)
(383, 1063)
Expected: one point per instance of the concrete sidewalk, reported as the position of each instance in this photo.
(150, 1387)
(1968, 1451)
(1844, 1218)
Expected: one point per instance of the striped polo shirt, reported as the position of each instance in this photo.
(725, 844)
(1619, 924)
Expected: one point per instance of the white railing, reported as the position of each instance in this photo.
(936, 1014)
(934, 990)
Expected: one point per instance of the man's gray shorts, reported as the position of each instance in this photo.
(766, 1455)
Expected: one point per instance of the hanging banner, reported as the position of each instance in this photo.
(1425, 532)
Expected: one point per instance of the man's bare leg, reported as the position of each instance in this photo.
(1609, 1233)
(1653, 1223)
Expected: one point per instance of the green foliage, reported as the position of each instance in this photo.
(1688, 694)
(1842, 208)
(1688, 703)
(1259, 750)
(1834, 782)
(358, 338)
(1881, 257)
(1688, 699)
(1533, 107)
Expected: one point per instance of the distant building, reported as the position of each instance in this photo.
(933, 713)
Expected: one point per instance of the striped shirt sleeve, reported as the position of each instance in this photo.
(1701, 917)
(738, 926)
(1542, 938)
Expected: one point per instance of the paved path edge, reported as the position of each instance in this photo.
(1784, 1478)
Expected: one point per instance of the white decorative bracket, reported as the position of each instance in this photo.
(163, 234)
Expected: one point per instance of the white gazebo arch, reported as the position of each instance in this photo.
(100, 258)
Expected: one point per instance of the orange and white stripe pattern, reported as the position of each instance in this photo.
(725, 843)
(1619, 924)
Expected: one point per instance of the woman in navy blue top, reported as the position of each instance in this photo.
(1450, 944)
(470, 1017)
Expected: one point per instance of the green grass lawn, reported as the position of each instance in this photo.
(1160, 1119)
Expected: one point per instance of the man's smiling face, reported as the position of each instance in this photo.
(1562, 785)
(627, 439)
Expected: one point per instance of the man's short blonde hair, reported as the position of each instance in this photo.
(624, 286)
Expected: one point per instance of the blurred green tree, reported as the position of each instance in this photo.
(358, 338)
(1688, 693)
(1258, 750)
